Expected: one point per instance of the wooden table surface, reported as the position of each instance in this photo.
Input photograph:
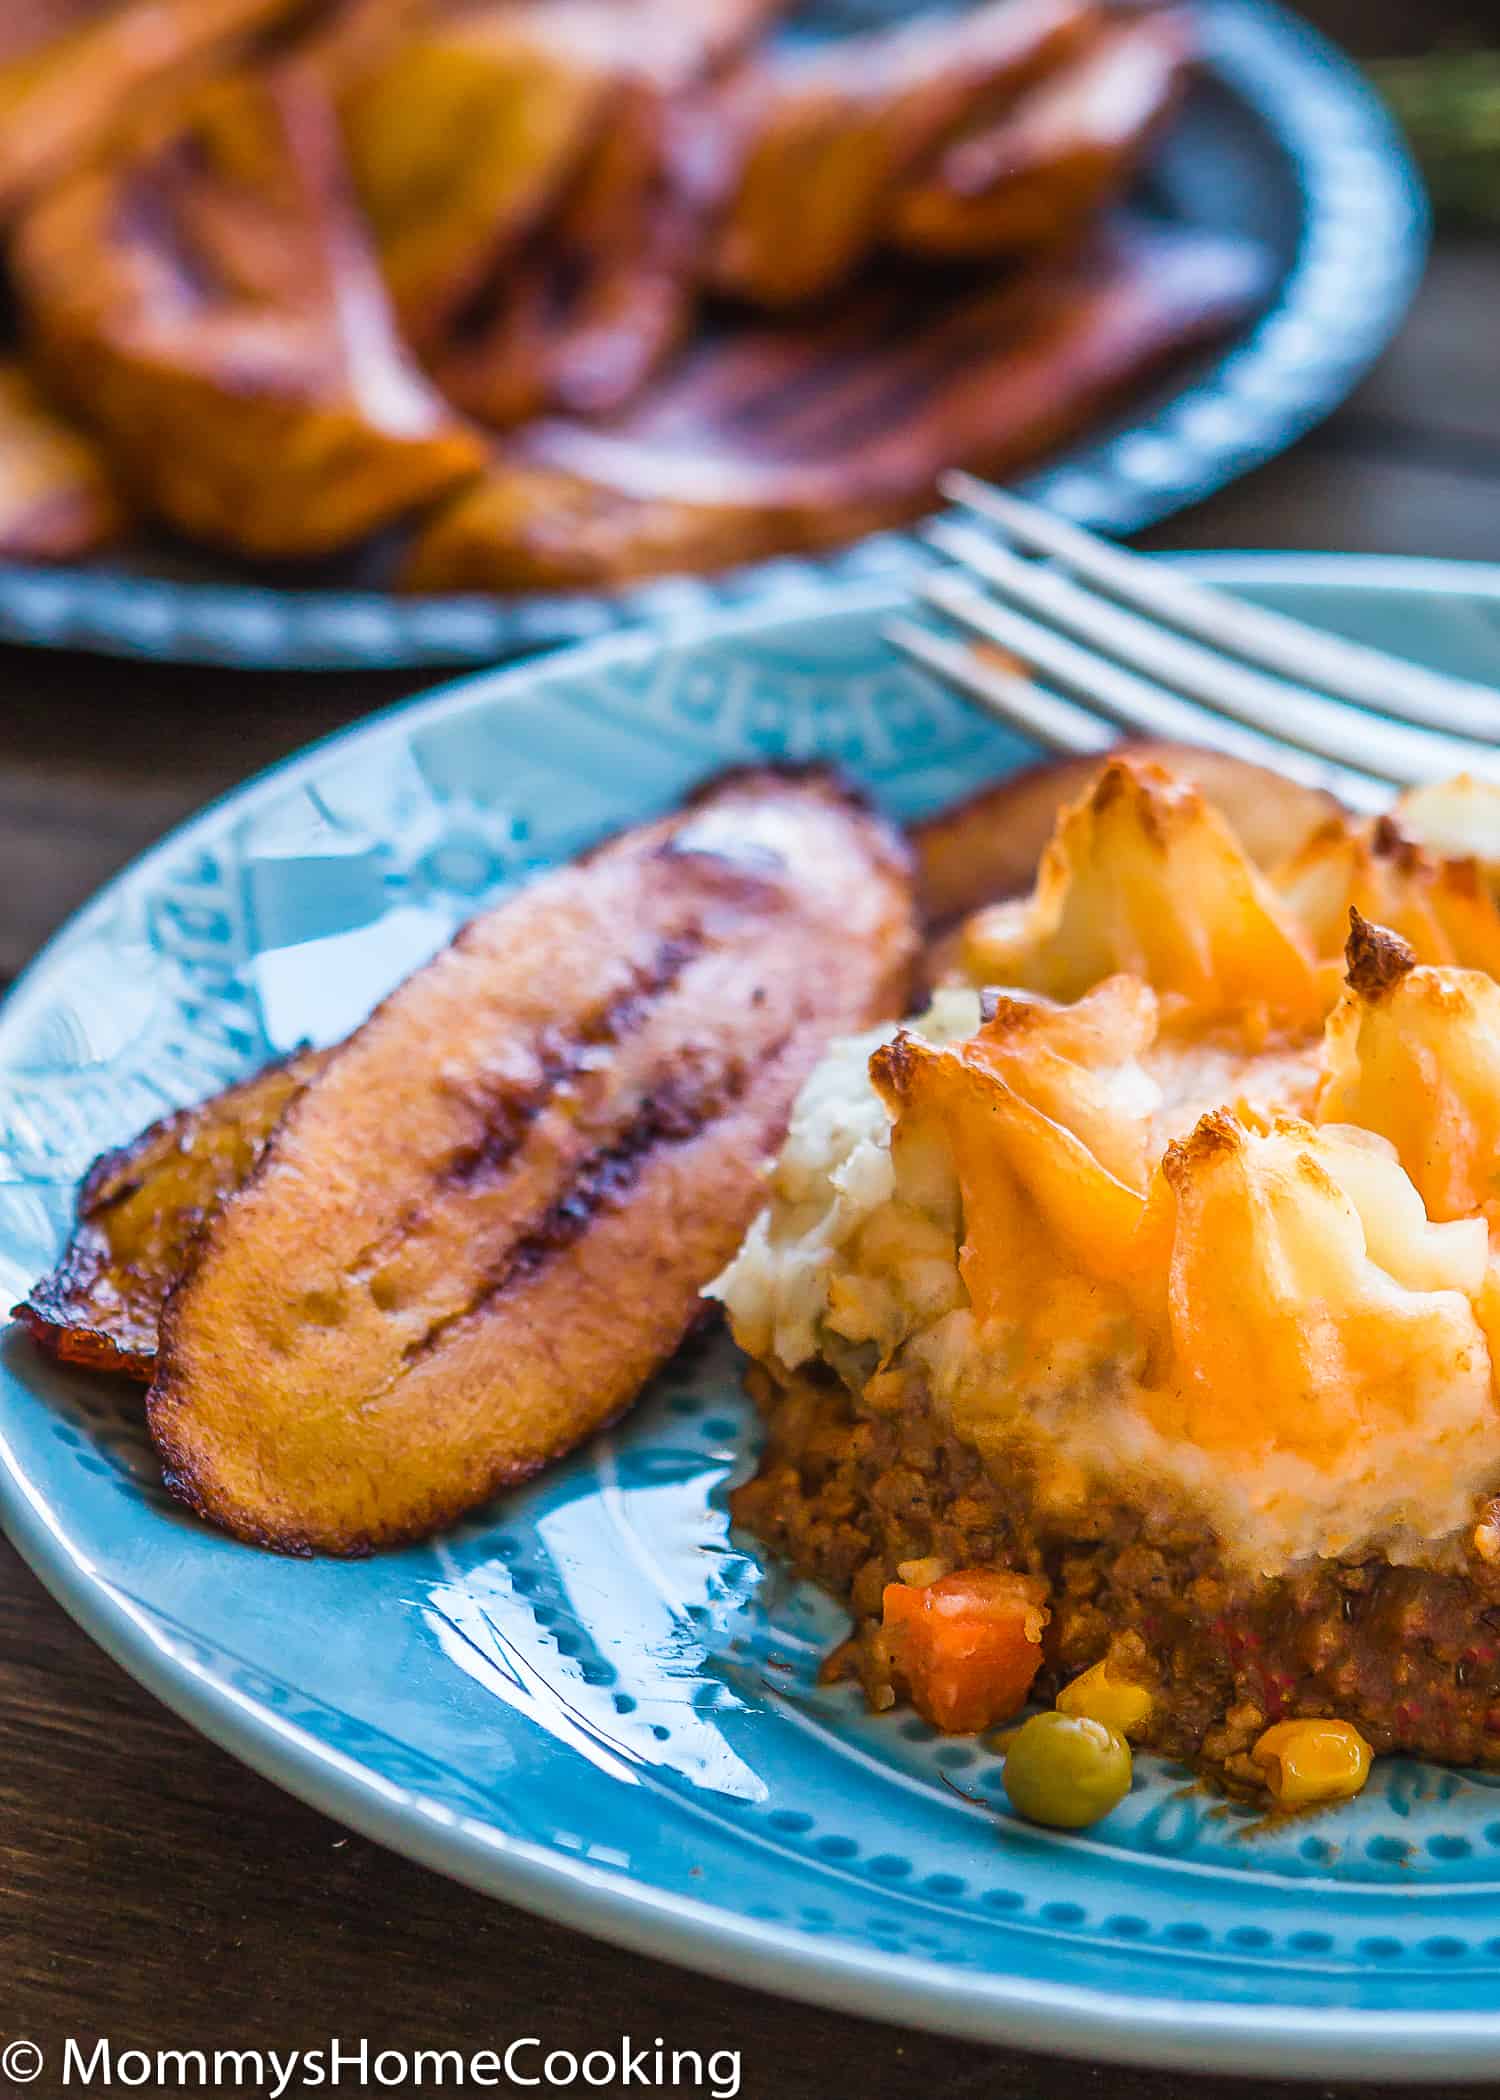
(153, 1890)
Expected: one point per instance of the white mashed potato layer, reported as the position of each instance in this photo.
(833, 1174)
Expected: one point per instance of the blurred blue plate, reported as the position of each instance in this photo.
(1282, 140)
(591, 1699)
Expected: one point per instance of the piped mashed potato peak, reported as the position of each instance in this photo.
(1197, 1207)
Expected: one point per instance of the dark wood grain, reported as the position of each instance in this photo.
(150, 1887)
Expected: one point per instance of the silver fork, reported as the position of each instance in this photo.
(1133, 646)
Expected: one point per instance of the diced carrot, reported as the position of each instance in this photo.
(967, 1646)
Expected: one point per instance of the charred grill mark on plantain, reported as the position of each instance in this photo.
(563, 1056)
(677, 1113)
(506, 1114)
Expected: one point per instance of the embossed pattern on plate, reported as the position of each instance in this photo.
(593, 1698)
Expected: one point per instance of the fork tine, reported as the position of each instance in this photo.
(1049, 720)
(1397, 751)
(1134, 702)
(1391, 685)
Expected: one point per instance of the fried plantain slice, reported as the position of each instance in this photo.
(487, 1220)
(209, 301)
(1041, 169)
(138, 1213)
(73, 72)
(465, 137)
(811, 149)
(515, 164)
(793, 436)
(58, 500)
(602, 294)
(713, 32)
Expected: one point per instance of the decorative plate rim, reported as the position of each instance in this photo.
(1062, 2018)
(1364, 248)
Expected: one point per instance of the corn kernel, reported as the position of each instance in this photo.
(1112, 1701)
(1307, 1761)
(921, 1574)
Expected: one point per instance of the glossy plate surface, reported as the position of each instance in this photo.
(1282, 140)
(592, 1699)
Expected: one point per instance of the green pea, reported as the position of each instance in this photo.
(1066, 1770)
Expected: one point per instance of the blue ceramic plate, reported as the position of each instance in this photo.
(592, 1699)
(1281, 140)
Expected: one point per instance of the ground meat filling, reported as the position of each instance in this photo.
(1410, 1656)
